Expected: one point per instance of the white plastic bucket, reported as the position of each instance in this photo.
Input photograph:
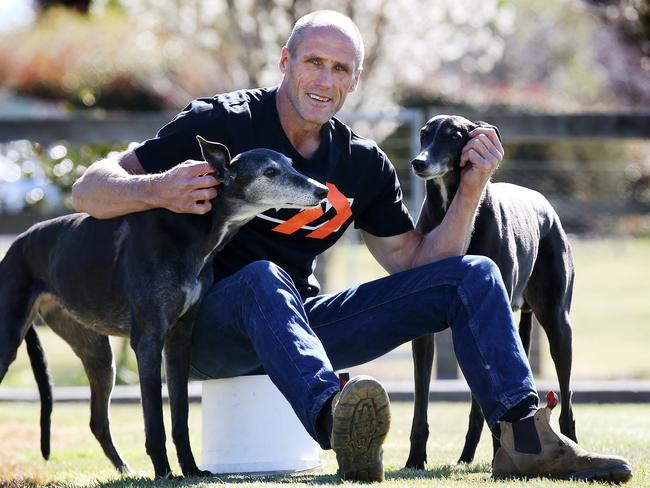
(249, 427)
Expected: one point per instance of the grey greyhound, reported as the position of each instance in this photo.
(143, 276)
(519, 230)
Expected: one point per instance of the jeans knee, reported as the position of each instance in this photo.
(259, 269)
(481, 271)
(265, 275)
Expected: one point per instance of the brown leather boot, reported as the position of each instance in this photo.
(361, 418)
(559, 457)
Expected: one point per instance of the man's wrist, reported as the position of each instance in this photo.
(149, 191)
(467, 198)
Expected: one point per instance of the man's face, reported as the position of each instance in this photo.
(320, 73)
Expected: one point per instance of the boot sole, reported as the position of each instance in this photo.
(360, 425)
(621, 473)
(618, 474)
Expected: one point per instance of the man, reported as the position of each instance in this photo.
(264, 313)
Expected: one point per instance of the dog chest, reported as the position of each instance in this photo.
(192, 293)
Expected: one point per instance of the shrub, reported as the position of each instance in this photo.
(102, 62)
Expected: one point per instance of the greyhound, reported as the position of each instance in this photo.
(519, 230)
(141, 275)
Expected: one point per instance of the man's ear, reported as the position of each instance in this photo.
(480, 123)
(284, 59)
(355, 83)
(217, 156)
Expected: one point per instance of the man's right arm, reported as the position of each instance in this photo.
(118, 186)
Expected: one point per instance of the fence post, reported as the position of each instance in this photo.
(416, 121)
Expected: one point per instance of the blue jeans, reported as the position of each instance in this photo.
(255, 321)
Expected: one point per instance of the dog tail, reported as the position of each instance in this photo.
(44, 382)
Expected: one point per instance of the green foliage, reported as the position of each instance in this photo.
(57, 165)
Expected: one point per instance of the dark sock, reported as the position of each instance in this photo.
(324, 424)
(525, 408)
(523, 425)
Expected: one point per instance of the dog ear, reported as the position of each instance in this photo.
(480, 123)
(217, 155)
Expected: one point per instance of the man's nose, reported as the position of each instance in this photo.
(324, 77)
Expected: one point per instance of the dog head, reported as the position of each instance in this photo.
(261, 178)
(441, 142)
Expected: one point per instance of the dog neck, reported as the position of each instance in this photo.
(440, 193)
(228, 215)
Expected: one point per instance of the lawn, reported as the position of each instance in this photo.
(77, 460)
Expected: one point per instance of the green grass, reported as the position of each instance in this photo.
(77, 459)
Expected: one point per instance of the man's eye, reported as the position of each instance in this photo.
(315, 62)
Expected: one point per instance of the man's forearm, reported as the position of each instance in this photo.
(107, 190)
(452, 236)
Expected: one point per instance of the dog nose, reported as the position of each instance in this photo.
(419, 164)
(321, 193)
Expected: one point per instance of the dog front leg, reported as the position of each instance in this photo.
(423, 349)
(177, 368)
(148, 352)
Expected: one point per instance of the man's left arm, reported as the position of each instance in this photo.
(479, 159)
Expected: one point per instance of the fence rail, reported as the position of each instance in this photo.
(515, 127)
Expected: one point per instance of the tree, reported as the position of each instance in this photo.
(405, 40)
(631, 17)
(623, 47)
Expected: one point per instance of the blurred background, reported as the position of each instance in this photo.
(567, 82)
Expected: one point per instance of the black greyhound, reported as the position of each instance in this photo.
(519, 230)
(141, 275)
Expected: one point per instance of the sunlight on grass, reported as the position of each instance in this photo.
(77, 460)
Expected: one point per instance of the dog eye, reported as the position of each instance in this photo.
(456, 135)
(271, 172)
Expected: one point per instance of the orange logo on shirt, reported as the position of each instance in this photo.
(336, 199)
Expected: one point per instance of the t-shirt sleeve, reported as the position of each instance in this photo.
(176, 142)
(386, 215)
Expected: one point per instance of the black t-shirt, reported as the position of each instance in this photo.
(362, 182)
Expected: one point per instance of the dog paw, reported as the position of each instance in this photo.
(196, 472)
(126, 470)
(414, 465)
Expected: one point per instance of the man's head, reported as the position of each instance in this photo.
(321, 64)
(327, 18)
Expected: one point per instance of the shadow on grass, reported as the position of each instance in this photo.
(440, 472)
(20, 482)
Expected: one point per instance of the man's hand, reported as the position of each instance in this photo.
(187, 188)
(479, 159)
